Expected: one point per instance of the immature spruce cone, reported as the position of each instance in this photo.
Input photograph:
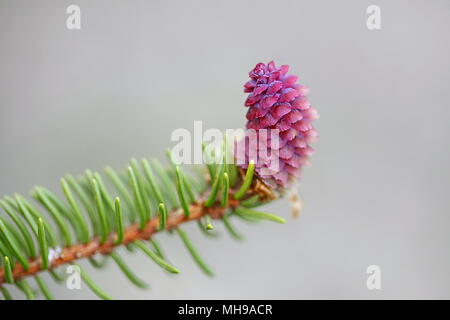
(276, 101)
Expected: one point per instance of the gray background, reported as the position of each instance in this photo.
(377, 190)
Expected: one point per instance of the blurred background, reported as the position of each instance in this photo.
(375, 194)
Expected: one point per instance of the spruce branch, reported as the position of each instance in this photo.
(34, 244)
(131, 234)
(98, 214)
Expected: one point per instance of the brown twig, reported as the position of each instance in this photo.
(132, 233)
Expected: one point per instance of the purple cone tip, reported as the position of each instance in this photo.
(277, 101)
